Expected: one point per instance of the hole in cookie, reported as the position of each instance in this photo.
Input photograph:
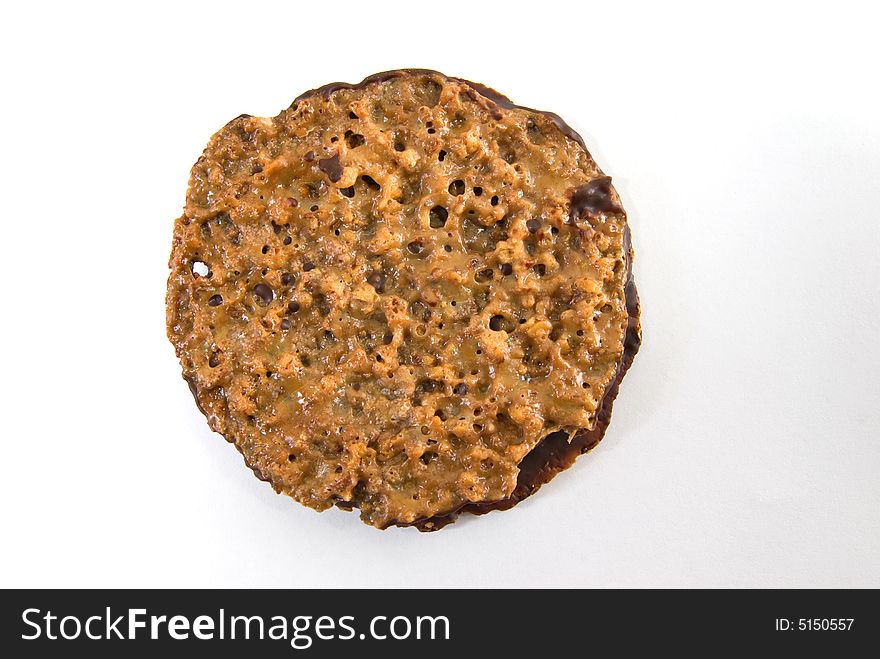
(214, 359)
(484, 275)
(399, 146)
(456, 187)
(540, 269)
(533, 225)
(500, 323)
(354, 140)
(376, 280)
(494, 200)
(438, 216)
(441, 156)
(292, 306)
(215, 300)
(506, 269)
(347, 192)
(263, 294)
(371, 183)
(427, 386)
(199, 269)
(416, 247)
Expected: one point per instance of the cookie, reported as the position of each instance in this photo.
(407, 296)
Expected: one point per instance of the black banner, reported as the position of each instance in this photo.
(428, 623)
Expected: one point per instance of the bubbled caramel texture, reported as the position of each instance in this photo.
(387, 295)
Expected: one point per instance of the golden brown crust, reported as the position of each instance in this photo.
(391, 293)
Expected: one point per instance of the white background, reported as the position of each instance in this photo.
(745, 143)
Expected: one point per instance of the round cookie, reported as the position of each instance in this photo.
(407, 296)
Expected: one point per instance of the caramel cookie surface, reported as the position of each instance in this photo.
(407, 296)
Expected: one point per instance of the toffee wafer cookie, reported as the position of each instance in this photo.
(407, 296)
